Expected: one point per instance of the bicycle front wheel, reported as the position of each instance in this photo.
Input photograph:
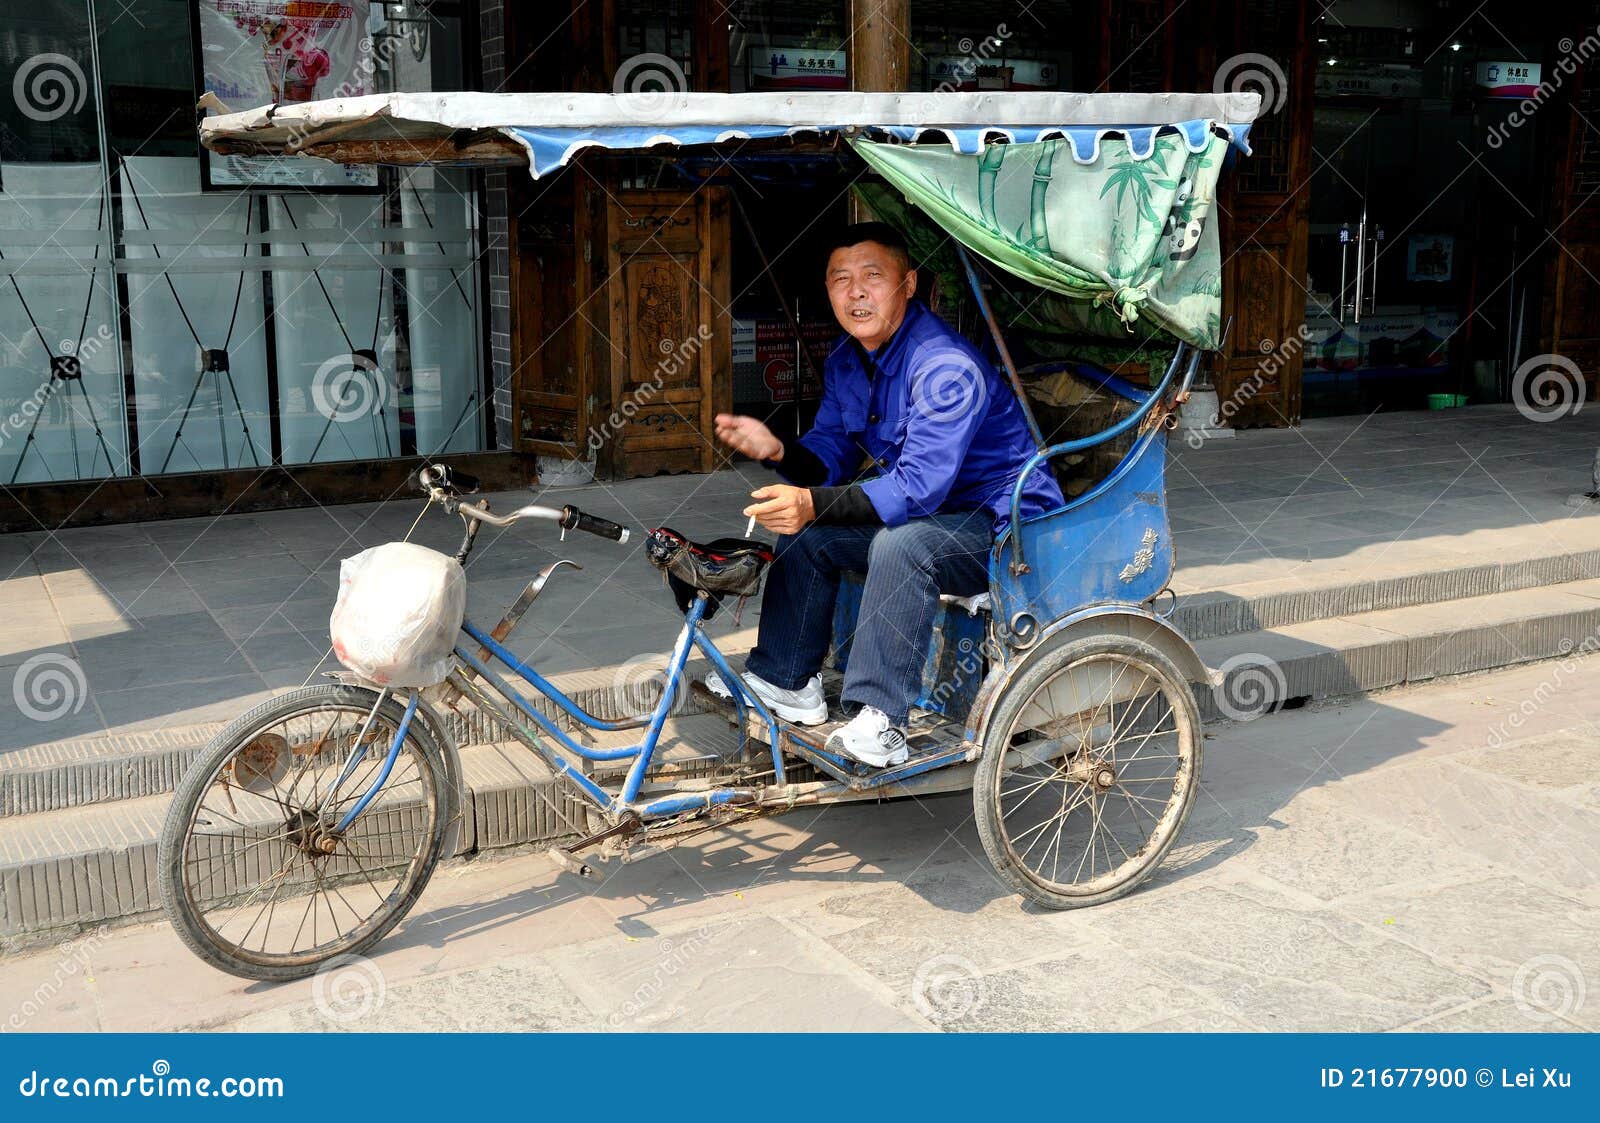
(253, 877)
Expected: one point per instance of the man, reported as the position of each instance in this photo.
(909, 397)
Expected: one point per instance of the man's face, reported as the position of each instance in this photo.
(869, 290)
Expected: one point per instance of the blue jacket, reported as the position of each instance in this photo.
(942, 425)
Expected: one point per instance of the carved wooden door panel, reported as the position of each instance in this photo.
(1264, 204)
(664, 360)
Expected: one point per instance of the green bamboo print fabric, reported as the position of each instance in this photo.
(1129, 243)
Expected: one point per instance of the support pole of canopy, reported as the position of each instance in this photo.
(1000, 344)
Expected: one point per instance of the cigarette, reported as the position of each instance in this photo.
(751, 529)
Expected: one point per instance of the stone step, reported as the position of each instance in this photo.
(1367, 651)
(90, 771)
(82, 866)
(1405, 582)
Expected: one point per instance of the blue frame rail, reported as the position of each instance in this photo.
(642, 753)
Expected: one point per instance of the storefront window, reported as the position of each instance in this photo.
(61, 406)
(244, 318)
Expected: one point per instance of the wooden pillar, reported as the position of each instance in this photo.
(880, 44)
(710, 71)
(880, 58)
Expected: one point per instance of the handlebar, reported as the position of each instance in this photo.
(444, 486)
(574, 519)
(567, 518)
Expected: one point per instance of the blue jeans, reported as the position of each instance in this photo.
(907, 567)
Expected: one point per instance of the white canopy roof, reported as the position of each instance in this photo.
(496, 128)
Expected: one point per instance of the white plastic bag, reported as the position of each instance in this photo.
(400, 606)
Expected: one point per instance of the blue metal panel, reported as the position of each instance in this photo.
(955, 664)
(1113, 544)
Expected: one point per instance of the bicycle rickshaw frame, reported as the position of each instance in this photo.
(1086, 573)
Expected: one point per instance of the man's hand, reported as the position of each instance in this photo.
(786, 509)
(749, 436)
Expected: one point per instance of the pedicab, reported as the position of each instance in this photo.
(1063, 699)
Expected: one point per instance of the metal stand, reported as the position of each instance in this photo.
(367, 361)
(214, 361)
(67, 371)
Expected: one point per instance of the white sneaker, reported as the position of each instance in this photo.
(805, 706)
(869, 738)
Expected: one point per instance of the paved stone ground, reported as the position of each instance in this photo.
(1428, 858)
(174, 623)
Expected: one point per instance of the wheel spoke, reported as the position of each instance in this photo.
(234, 880)
(1121, 710)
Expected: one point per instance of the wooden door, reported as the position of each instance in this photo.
(1569, 326)
(550, 414)
(663, 362)
(1264, 206)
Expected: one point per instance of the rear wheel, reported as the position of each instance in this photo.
(1089, 768)
(253, 877)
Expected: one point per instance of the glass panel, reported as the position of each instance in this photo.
(147, 73)
(333, 324)
(441, 299)
(195, 313)
(61, 413)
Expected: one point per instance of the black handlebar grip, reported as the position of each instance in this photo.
(574, 519)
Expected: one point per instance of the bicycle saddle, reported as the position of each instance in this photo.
(722, 567)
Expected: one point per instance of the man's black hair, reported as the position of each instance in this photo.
(880, 232)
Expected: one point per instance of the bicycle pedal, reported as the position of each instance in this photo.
(570, 863)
